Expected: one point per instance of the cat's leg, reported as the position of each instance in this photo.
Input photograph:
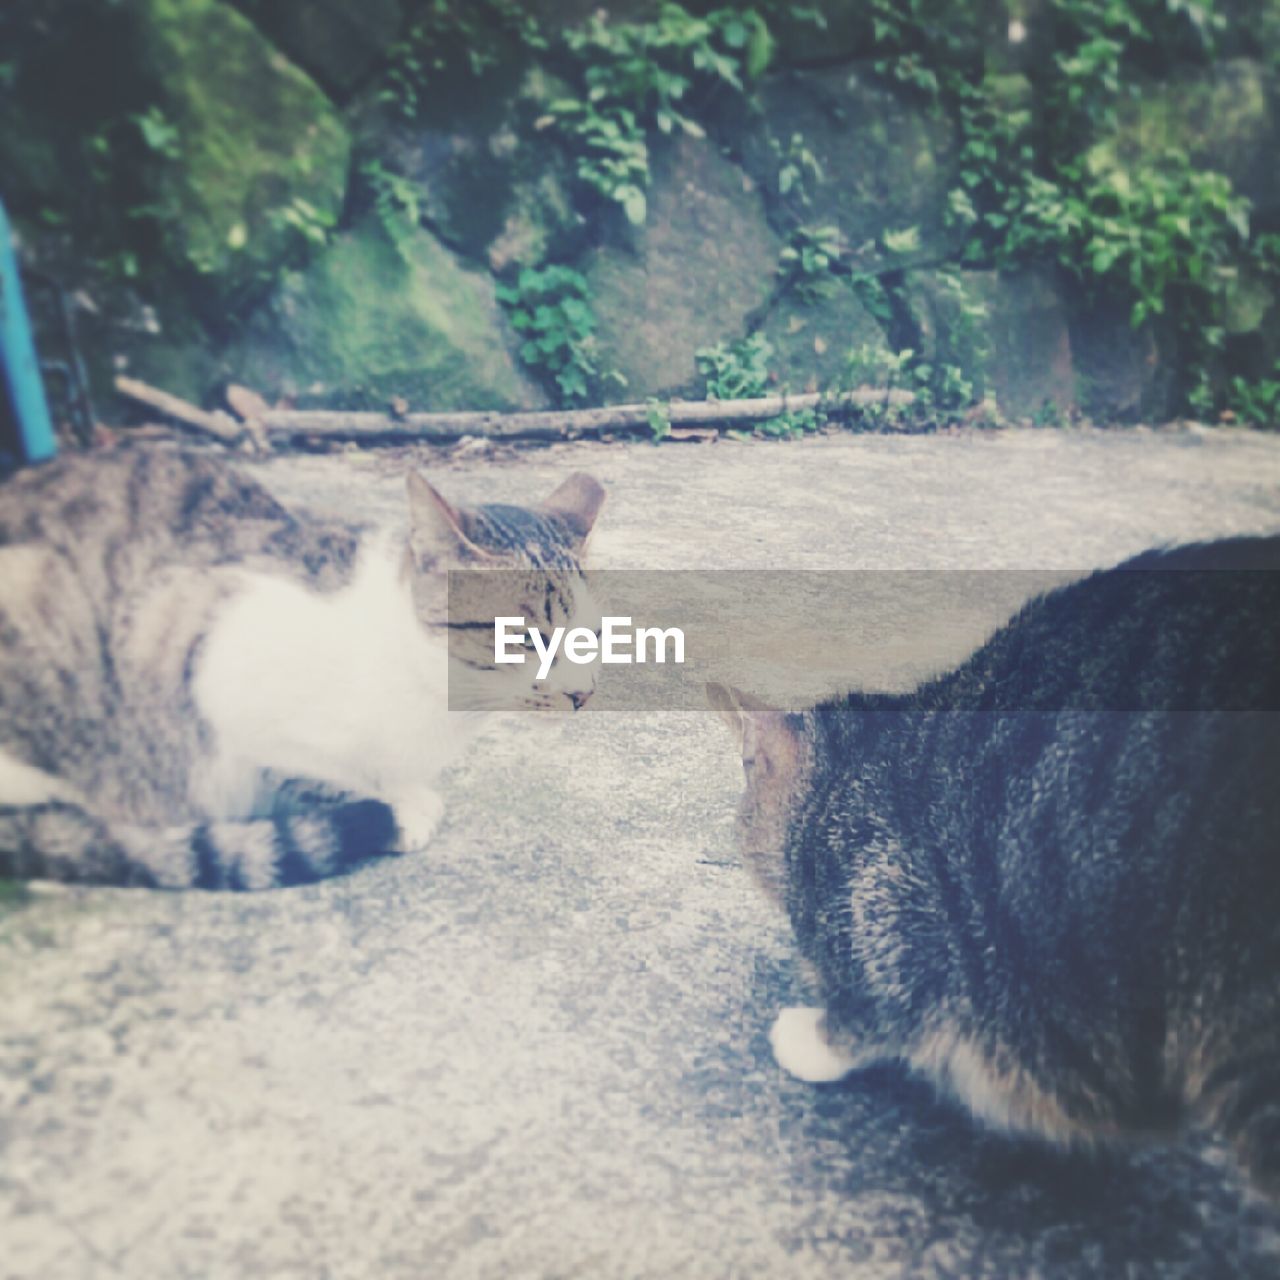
(803, 1048)
(418, 813)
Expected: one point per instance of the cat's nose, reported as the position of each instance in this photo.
(579, 698)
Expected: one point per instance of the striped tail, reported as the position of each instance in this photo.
(313, 834)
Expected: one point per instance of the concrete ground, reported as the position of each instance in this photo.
(540, 1049)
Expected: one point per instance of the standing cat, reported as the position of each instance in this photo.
(199, 688)
(1050, 880)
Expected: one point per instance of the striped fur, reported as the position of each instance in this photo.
(1050, 880)
(58, 840)
(180, 658)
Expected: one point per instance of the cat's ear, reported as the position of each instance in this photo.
(438, 529)
(759, 729)
(724, 702)
(577, 501)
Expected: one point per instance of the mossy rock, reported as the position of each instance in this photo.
(840, 33)
(1029, 361)
(258, 143)
(704, 261)
(1248, 303)
(179, 356)
(489, 184)
(886, 162)
(52, 140)
(1253, 352)
(336, 42)
(1253, 30)
(1122, 373)
(372, 318)
(1006, 333)
(813, 338)
(35, 176)
(1224, 116)
(950, 311)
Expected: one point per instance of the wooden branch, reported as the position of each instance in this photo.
(219, 425)
(562, 424)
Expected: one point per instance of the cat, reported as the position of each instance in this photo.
(200, 688)
(1049, 880)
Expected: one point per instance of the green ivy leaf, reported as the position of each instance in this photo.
(905, 241)
(634, 205)
(658, 418)
(760, 48)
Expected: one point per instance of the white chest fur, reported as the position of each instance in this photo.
(346, 688)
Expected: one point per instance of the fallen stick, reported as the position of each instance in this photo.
(561, 424)
(219, 425)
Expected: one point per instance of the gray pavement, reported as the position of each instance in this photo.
(540, 1050)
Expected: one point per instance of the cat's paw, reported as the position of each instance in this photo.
(417, 817)
(801, 1048)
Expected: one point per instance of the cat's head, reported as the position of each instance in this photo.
(777, 761)
(538, 551)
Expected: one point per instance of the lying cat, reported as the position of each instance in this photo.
(199, 688)
(1050, 880)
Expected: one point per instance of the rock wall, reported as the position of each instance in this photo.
(276, 265)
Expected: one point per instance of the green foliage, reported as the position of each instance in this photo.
(1041, 172)
(808, 260)
(658, 416)
(551, 310)
(311, 227)
(611, 155)
(790, 423)
(1047, 415)
(871, 292)
(798, 169)
(941, 392)
(1257, 403)
(445, 36)
(395, 199)
(652, 66)
(868, 365)
(1162, 233)
(901, 242)
(942, 388)
(736, 370)
(740, 371)
(13, 894)
(158, 133)
(924, 45)
(638, 78)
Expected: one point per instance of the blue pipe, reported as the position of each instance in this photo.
(23, 384)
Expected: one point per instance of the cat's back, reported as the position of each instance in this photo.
(123, 513)
(1171, 630)
(113, 565)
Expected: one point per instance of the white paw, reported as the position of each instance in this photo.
(418, 817)
(801, 1048)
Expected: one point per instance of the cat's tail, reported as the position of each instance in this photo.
(305, 839)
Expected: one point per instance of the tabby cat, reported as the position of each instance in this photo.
(1050, 879)
(199, 688)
